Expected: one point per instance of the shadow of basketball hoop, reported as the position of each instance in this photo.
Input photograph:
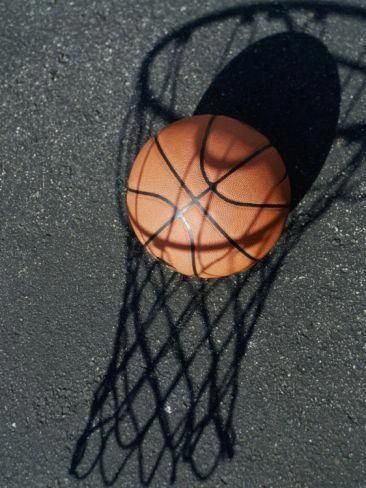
(169, 393)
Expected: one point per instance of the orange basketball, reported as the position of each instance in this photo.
(209, 196)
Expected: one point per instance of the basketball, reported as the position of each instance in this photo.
(209, 196)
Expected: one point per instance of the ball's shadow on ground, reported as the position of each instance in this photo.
(287, 87)
(171, 388)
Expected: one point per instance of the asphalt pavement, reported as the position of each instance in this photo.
(115, 371)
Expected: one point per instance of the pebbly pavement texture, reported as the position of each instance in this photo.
(118, 372)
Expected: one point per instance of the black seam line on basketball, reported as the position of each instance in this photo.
(197, 203)
(224, 233)
(192, 245)
(250, 204)
(213, 184)
(244, 204)
(240, 164)
(161, 228)
(203, 150)
(176, 215)
(155, 195)
(172, 169)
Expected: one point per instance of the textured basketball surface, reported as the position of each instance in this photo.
(209, 196)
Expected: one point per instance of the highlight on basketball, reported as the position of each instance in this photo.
(209, 196)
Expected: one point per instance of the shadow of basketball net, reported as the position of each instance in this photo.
(171, 387)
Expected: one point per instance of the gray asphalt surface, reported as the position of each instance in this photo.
(115, 371)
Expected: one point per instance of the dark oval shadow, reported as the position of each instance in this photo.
(286, 86)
